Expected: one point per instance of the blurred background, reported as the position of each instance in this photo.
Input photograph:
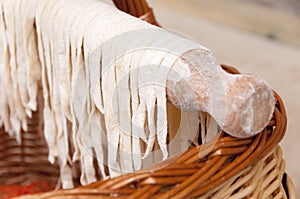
(260, 37)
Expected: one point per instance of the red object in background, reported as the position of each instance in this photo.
(10, 191)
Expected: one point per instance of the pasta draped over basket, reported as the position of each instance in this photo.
(97, 99)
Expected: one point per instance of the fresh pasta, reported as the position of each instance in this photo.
(103, 76)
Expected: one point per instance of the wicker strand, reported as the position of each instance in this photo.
(26, 163)
(137, 8)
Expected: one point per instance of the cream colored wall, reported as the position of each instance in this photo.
(272, 20)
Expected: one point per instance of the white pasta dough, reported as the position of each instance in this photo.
(17, 113)
(100, 70)
(4, 78)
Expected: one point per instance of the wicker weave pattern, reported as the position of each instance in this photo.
(262, 180)
(26, 162)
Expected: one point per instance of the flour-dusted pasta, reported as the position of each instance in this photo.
(17, 111)
(109, 117)
(4, 78)
(32, 58)
(21, 55)
(60, 90)
(82, 106)
(28, 66)
(49, 124)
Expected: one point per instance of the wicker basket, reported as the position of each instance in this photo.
(233, 168)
